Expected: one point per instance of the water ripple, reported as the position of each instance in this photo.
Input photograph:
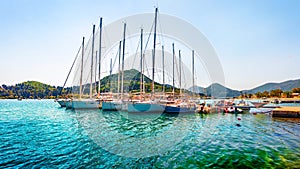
(39, 134)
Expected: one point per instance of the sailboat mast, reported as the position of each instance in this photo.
(153, 63)
(81, 70)
(180, 73)
(141, 63)
(92, 59)
(119, 69)
(173, 91)
(163, 64)
(153, 55)
(123, 55)
(100, 46)
(193, 72)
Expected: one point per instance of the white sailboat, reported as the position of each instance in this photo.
(117, 104)
(63, 102)
(151, 105)
(90, 103)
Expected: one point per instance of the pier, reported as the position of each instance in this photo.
(290, 101)
(248, 107)
(286, 112)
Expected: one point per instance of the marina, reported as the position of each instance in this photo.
(88, 92)
(140, 88)
(89, 95)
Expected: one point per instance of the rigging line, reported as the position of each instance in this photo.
(88, 42)
(75, 77)
(117, 55)
(130, 44)
(161, 32)
(144, 54)
(148, 39)
(136, 52)
(70, 70)
(135, 77)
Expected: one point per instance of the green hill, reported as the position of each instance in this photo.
(31, 90)
(131, 82)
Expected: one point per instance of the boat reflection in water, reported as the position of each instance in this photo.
(136, 135)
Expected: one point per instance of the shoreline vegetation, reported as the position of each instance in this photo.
(38, 90)
(33, 90)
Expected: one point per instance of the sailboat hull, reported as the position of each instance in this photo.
(85, 104)
(173, 109)
(145, 107)
(62, 103)
(111, 106)
(68, 104)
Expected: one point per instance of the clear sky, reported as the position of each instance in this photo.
(256, 41)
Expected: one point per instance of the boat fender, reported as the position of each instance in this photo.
(226, 109)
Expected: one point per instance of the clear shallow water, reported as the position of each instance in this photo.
(40, 134)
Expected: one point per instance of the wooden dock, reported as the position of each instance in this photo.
(286, 112)
(248, 107)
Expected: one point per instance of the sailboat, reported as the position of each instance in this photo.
(151, 105)
(86, 103)
(63, 102)
(180, 105)
(117, 104)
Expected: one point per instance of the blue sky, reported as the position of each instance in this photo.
(256, 41)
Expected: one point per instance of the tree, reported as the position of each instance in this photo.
(259, 94)
(296, 90)
(287, 94)
(276, 93)
(265, 94)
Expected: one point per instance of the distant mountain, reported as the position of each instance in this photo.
(284, 86)
(216, 90)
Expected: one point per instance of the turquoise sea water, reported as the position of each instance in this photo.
(41, 134)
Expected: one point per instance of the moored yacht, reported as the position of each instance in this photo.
(179, 107)
(145, 106)
(85, 104)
